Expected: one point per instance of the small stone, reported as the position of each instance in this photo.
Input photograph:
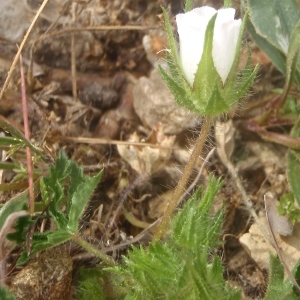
(48, 276)
(98, 96)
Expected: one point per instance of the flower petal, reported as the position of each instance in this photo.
(226, 35)
(191, 29)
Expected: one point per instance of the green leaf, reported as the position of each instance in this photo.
(65, 187)
(21, 228)
(292, 58)
(276, 56)
(76, 178)
(18, 135)
(178, 92)
(196, 215)
(206, 75)
(216, 104)
(227, 4)
(5, 165)
(232, 76)
(171, 40)
(8, 141)
(13, 205)
(245, 85)
(182, 266)
(277, 287)
(88, 285)
(55, 191)
(43, 241)
(188, 6)
(80, 199)
(293, 165)
(293, 171)
(4, 295)
(274, 20)
(287, 207)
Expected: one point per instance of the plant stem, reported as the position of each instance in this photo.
(90, 248)
(184, 179)
(27, 136)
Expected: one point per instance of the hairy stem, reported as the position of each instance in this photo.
(93, 250)
(184, 179)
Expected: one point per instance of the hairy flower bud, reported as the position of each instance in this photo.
(205, 76)
(191, 29)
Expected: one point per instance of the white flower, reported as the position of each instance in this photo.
(191, 29)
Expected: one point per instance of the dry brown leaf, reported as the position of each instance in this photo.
(259, 249)
(224, 133)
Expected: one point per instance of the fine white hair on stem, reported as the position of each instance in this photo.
(196, 180)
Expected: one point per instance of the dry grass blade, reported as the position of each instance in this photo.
(13, 65)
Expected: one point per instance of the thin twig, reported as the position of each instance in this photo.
(27, 136)
(184, 179)
(13, 65)
(97, 28)
(73, 56)
(96, 141)
(246, 199)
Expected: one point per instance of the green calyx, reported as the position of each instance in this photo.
(208, 96)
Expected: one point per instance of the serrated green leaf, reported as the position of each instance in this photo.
(80, 198)
(188, 223)
(43, 241)
(55, 189)
(20, 230)
(88, 286)
(277, 287)
(178, 267)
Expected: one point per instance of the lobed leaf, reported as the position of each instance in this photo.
(79, 200)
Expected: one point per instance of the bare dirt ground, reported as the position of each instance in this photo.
(93, 90)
